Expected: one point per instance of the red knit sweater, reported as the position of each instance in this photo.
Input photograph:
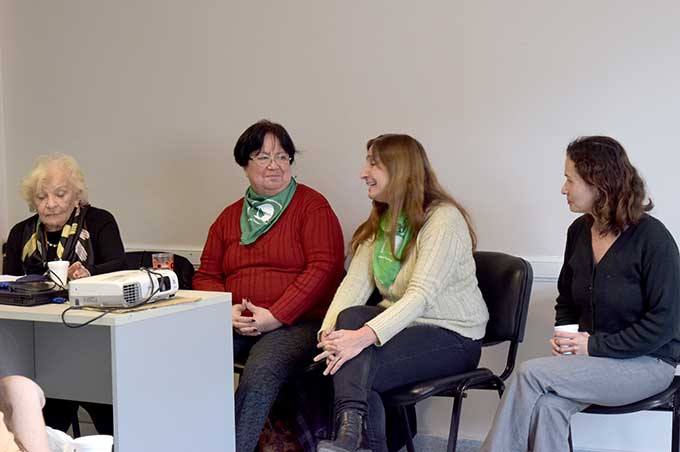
(293, 269)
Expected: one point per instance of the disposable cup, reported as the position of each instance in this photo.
(571, 328)
(163, 260)
(58, 272)
(94, 443)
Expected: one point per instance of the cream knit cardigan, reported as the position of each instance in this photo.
(436, 285)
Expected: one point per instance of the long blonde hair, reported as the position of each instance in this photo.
(412, 189)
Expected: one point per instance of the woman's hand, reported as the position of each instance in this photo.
(78, 270)
(342, 345)
(328, 355)
(245, 326)
(264, 320)
(563, 342)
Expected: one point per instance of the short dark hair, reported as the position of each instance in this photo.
(621, 199)
(252, 138)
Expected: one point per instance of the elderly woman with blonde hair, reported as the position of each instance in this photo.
(65, 227)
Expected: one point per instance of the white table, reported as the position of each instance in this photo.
(168, 372)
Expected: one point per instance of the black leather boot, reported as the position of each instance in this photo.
(349, 425)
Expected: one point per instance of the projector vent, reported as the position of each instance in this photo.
(131, 293)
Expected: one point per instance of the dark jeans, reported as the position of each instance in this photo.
(270, 359)
(417, 353)
(59, 413)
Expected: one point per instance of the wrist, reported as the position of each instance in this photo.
(276, 321)
(368, 336)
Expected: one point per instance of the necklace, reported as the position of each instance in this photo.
(49, 244)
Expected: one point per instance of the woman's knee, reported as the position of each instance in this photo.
(355, 317)
(263, 375)
(15, 387)
(533, 370)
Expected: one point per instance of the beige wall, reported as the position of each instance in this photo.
(4, 226)
(151, 95)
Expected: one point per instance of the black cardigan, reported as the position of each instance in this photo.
(109, 254)
(629, 301)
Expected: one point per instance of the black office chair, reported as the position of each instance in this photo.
(4, 257)
(75, 425)
(668, 400)
(183, 268)
(505, 282)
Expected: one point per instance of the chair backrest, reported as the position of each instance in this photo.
(183, 268)
(4, 257)
(505, 282)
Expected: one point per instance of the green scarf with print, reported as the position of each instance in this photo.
(261, 212)
(385, 265)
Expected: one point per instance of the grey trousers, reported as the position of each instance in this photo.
(536, 408)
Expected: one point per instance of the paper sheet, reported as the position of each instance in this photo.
(159, 304)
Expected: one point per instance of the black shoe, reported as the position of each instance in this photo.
(348, 429)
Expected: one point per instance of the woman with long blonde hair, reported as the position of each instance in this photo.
(416, 249)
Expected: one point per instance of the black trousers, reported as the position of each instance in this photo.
(417, 353)
(270, 359)
(59, 413)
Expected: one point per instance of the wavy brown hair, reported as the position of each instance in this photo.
(621, 198)
(412, 189)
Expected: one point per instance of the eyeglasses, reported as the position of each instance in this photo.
(263, 160)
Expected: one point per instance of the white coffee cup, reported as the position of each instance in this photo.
(94, 443)
(571, 328)
(59, 272)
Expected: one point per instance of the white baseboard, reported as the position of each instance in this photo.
(546, 268)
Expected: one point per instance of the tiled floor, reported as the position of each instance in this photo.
(433, 444)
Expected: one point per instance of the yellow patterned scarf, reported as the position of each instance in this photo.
(74, 244)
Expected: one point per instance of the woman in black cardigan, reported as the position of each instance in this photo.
(620, 282)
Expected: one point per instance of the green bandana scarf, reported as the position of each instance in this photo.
(385, 265)
(261, 212)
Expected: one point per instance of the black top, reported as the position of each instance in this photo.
(629, 301)
(109, 254)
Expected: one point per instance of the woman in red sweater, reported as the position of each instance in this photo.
(279, 251)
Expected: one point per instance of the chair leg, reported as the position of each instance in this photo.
(75, 425)
(675, 442)
(403, 414)
(571, 445)
(455, 422)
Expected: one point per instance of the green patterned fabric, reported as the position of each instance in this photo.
(385, 265)
(261, 212)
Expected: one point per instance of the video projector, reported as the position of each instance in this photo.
(123, 289)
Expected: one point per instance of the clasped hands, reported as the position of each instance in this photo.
(342, 345)
(575, 343)
(261, 321)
